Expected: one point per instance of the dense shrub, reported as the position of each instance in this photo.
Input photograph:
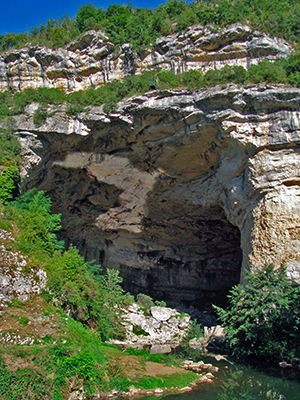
(141, 26)
(39, 116)
(37, 226)
(25, 384)
(263, 318)
(144, 301)
(9, 182)
(9, 145)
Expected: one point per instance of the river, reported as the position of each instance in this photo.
(236, 382)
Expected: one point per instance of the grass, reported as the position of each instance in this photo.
(167, 382)
(66, 351)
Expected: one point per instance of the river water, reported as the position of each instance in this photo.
(235, 382)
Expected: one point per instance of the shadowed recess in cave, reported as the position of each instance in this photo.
(184, 254)
(197, 271)
(163, 245)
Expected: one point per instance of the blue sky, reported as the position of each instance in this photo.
(21, 15)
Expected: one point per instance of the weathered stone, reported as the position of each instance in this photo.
(214, 331)
(183, 322)
(161, 313)
(160, 349)
(133, 308)
(200, 367)
(17, 279)
(91, 60)
(146, 330)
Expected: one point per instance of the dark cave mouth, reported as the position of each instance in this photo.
(186, 256)
(187, 264)
(187, 276)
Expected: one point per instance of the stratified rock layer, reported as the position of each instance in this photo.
(92, 61)
(176, 189)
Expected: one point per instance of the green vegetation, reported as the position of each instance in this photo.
(39, 116)
(144, 301)
(71, 351)
(263, 318)
(141, 26)
(9, 179)
(23, 320)
(23, 384)
(171, 381)
(77, 356)
(9, 159)
(90, 298)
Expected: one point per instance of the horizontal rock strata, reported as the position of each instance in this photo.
(92, 60)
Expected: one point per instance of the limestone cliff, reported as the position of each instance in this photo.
(179, 190)
(92, 60)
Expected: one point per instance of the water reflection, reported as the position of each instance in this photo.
(242, 383)
(239, 384)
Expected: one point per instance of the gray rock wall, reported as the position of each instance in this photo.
(183, 192)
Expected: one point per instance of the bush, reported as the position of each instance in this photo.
(74, 109)
(144, 301)
(9, 182)
(9, 145)
(263, 318)
(32, 214)
(23, 384)
(39, 116)
(70, 282)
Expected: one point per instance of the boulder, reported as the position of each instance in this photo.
(162, 313)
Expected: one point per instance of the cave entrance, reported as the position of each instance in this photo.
(193, 264)
(185, 254)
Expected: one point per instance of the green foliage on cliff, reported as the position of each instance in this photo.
(9, 180)
(9, 171)
(39, 116)
(72, 282)
(263, 318)
(37, 226)
(286, 71)
(141, 26)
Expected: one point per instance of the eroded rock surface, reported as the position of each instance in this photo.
(18, 279)
(178, 190)
(92, 61)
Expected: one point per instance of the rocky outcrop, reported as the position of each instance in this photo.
(161, 328)
(181, 191)
(91, 60)
(18, 278)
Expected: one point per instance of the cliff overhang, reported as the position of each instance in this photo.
(182, 191)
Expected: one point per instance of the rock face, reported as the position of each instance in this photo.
(18, 279)
(92, 61)
(180, 191)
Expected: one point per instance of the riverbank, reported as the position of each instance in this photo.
(45, 351)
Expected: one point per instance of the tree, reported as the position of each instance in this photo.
(263, 318)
